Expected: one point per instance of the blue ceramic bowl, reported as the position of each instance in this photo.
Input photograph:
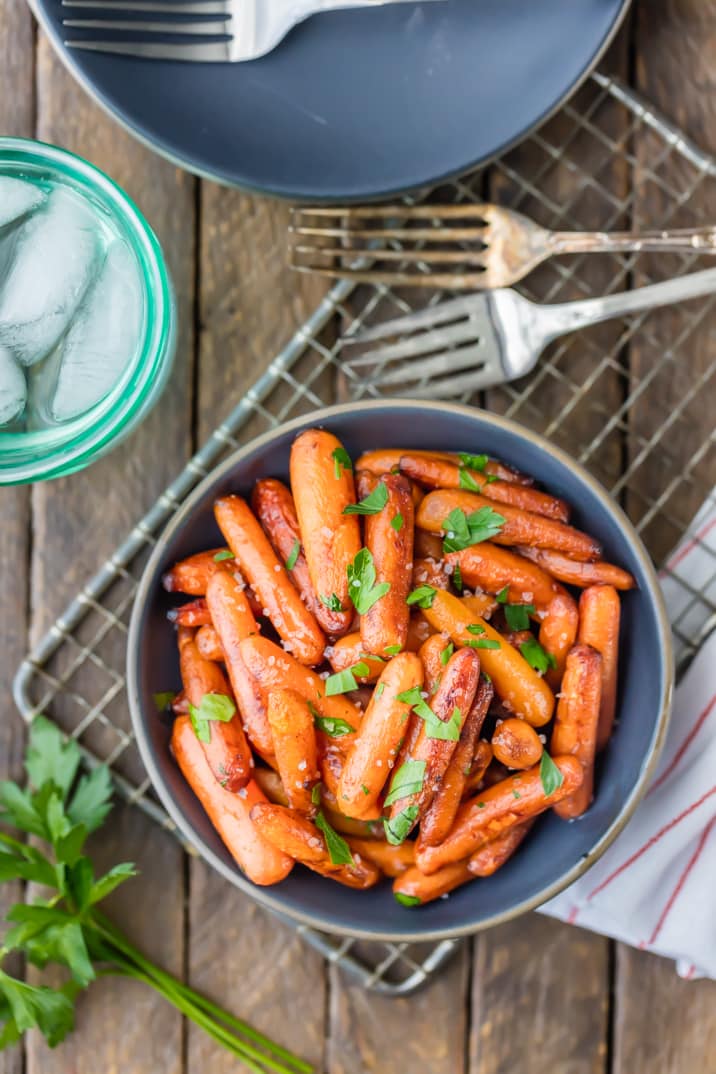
(556, 852)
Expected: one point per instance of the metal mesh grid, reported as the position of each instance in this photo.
(626, 399)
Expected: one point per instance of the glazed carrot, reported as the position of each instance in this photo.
(322, 488)
(438, 820)
(233, 622)
(558, 633)
(493, 812)
(516, 744)
(492, 568)
(419, 630)
(414, 888)
(380, 462)
(275, 669)
(493, 856)
(208, 644)
(296, 836)
(451, 703)
(294, 743)
(428, 545)
(392, 861)
(519, 527)
(270, 783)
(275, 509)
(576, 722)
(385, 624)
(478, 769)
(434, 655)
(429, 571)
(258, 562)
(191, 575)
(442, 474)
(571, 572)
(516, 683)
(599, 616)
(481, 604)
(375, 747)
(192, 614)
(229, 813)
(227, 750)
(348, 652)
(516, 638)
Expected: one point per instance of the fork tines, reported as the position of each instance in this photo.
(203, 18)
(425, 245)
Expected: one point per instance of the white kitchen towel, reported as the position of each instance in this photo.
(654, 887)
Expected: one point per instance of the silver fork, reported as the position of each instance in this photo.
(456, 247)
(249, 28)
(478, 341)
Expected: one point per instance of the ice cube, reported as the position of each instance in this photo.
(55, 254)
(13, 390)
(17, 199)
(101, 342)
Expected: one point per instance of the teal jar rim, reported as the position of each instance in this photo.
(63, 449)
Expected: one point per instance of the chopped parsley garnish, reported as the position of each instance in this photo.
(396, 522)
(212, 707)
(483, 643)
(474, 462)
(475, 628)
(408, 779)
(316, 794)
(373, 503)
(423, 596)
(221, 556)
(379, 690)
(518, 616)
(341, 682)
(338, 850)
(333, 726)
(293, 555)
(366, 790)
(333, 603)
(550, 776)
(398, 829)
(467, 481)
(503, 596)
(362, 587)
(462, 531)
(163, 701)
(536, 656)
(406, 900)
(445, 730)
(341, 461)
(447, 653)
(393, 650)
(457, 578)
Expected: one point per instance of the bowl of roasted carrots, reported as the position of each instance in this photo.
(399, 670)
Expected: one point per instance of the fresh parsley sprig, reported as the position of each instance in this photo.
(362, 587)
(462, 530)
(65, 927)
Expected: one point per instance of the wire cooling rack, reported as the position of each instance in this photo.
(629, 400)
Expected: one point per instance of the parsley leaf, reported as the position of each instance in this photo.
(51, 758)
(484, 643)
(467, 481)
(293, 555)
(316, 794)
(536, 656)
(333, 603)
(475, 628)
(163, 700)
(396, 522)
(90, 803)
(518, 616)
(423, 596)
(338, 850)
(341, 682)
(333, 726)
(398, 829)
(362, 588)
(225, 554)
(408, 779)
(406, 900)
(27, 1006)
(373, 503)
(379, 690)
(550, 776)
(457, 578)
(503, 596)
(447, 653)
(462, 531)
(212, 707)
(393, 650)
(341, 461)
(474, 462)
(445, 730)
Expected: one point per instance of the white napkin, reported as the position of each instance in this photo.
(653, 888)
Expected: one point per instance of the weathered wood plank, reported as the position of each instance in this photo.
(660, 1021)
(77, 522)
(249, 306)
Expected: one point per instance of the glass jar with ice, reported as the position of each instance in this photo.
(86, 313)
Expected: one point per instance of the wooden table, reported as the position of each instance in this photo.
(531, 997)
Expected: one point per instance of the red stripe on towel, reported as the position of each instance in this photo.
(681, 881)
(684, 745)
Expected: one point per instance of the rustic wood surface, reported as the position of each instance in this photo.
(533, 996)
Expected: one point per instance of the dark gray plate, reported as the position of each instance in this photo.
(357, 104)
(556, 852)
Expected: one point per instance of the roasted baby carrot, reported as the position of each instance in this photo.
(516, 744)
(480, 604)
(414, 888)
(495, 811)
(599, 616)
(391, 860)
(228, 812)
(558, 633)
(434, 655)
(191, 575)
(428, 545)
(576, 722)
(381, 461)
(192, 614)
(208, 644)
(296, 836)
(223, 741)
(492, 568)
(578, 574)
(257, 560)
(519, 527)
(275, 509)
(443, 474)
(375, 747)
(478, 769)
(348, 652)
(419, 630)
(516, 683)
(438, 820)
(233, 621)
(429, 571)
(493, 856)
(426, 760)
(294, 743)
(322, 485)
(389, 539)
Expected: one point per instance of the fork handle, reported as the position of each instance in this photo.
(695, 240)
(568, 316)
